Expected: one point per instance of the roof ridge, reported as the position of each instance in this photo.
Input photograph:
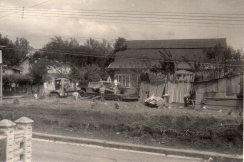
(176, 39)
(176, 43)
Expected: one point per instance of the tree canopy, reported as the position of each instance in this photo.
(120, 44)
(83, 59)
(14, 52)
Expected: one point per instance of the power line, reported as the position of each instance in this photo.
(135, 21)
(160, 17)
(143, 20)
(35, 5)
(141, 12)
(138, 17)
(106, 55)
(123, 13)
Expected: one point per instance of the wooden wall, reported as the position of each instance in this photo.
(219, 88)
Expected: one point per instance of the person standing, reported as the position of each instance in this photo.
(102, 91)
(115, 86)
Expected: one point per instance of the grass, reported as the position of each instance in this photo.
(132, 122)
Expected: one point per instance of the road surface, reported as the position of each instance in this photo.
(49, 151)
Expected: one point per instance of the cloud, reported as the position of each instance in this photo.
(39, 29)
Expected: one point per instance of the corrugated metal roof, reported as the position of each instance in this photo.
(154, 54)
(124, 63)
(176, 43)
(145, 53)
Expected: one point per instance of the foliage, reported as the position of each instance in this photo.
(167, 66)
(90, 73)
(120, 45)
(210, 130)
(71, 52)
(85, 61)
(9, 52)
(23, 48)
(101, 50)
(221, 54)
(14, 52)
(222, 57)
(38, 70)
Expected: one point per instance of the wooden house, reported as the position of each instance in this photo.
(141, 55)
(16, 79)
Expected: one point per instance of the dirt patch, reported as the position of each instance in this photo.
(133, 122)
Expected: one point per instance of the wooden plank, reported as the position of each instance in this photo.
(219, 103)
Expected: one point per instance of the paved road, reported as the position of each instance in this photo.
(49, 151)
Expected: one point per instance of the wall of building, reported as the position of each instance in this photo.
(134, 79)
(220, 88)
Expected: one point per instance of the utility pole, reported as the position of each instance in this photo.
(23, 11)
(1, 78)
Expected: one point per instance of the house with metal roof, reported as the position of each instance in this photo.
(142, 55)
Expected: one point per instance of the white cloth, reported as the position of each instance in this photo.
(76, 95)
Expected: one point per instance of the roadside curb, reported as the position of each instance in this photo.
(120, 145)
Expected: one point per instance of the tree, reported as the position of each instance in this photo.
(38, 70)
(99, 52)
(167, 66)
(9, 52)
(23, 48)
(59, 53)
(223, 57)
(94, 73)
(120, 45)
(14, 52)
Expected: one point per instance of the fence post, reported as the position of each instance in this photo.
(7, 129)
(25, 124)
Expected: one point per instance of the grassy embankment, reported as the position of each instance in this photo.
(132, 122)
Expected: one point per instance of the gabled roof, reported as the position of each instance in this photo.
(145, 53)
(176, 43)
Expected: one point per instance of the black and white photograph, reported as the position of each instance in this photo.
(121, 80)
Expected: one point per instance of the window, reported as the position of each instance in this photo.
(123, 79)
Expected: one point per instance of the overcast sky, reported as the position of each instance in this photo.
(39, 29)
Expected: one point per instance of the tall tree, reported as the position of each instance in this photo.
(120, 44)
(23, 48)
(38, 70)
(60, 52)
(98, 51)
(222, 57)
(14, 52)
(9, 52)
